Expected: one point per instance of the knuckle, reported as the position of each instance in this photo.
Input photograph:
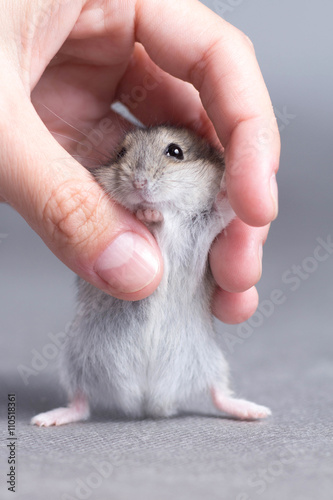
(246, 40)
(199, 68)
(70, 213)
(231, 45)
(241, 41)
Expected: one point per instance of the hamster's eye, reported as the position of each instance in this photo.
(175, 151)
(121, 153)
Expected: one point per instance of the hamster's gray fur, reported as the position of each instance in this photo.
(158, 356)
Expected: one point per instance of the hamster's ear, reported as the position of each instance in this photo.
(223, 185)
(224, 209)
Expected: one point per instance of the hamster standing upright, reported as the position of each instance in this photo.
(158, 356)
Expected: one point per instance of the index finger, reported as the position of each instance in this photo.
(189, 41)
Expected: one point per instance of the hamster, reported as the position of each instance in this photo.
(156, 357)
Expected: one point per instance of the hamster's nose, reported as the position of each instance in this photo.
(139, 183)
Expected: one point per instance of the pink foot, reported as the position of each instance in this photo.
(240, 408)
(77, 410)
(149, 215)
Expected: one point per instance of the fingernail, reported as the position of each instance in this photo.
(260, 254)
(274, 194)
(128, 264)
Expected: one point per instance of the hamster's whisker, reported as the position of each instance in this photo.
(184, 183)
(65, 158)
(97, 160)
(79, 142)
(63, 120)
(116, 191)
(72, 126)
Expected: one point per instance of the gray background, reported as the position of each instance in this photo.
(285, 361)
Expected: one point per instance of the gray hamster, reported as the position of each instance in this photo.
(158, 356)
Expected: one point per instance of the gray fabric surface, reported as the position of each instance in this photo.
(281, 358)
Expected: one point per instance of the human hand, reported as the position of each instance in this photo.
(76, 57)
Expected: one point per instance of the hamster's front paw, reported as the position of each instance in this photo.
(149, 215)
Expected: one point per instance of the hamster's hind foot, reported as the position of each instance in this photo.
(239, 408)
(77, 410)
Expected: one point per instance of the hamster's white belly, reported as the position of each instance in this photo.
(142, 358)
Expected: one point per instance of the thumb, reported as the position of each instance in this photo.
(96, 238)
